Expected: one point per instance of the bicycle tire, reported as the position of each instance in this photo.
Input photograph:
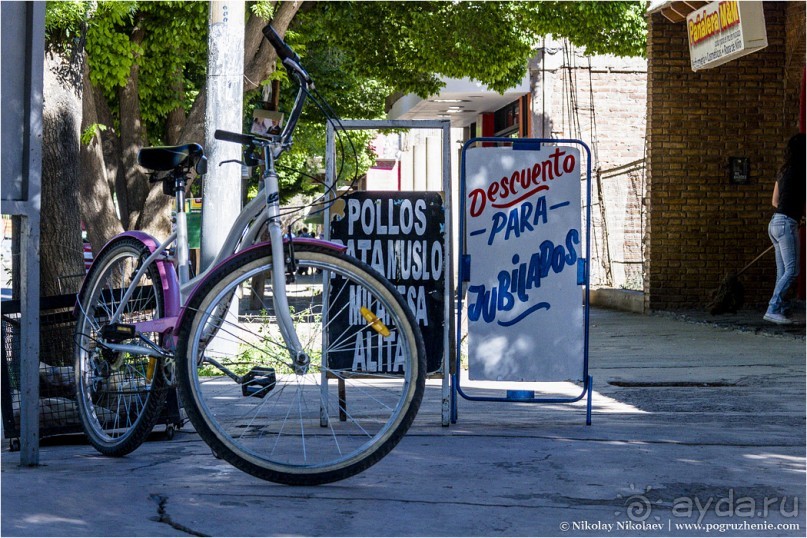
(119, 395)
(333, 434)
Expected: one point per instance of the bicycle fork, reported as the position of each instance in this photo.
(299, 357)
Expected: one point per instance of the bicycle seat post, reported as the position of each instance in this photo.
(181, 225)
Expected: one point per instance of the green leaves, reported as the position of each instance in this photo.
(357, 52)
(90, 132)
(64, 23)
(174, 58)
(166, 41)
(409, 45)
(264, 9)
(110, 52)
(617, 28)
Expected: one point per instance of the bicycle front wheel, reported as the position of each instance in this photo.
(119, 394)
(324, 415)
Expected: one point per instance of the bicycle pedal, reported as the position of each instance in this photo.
(118, 332)
(258, 382)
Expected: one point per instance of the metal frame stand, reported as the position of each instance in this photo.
(448, 296)
(521, 396)
(25, 38)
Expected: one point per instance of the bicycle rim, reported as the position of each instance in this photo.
(311, 424)
(119, 395)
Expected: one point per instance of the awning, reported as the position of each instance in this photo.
(674, 11)
(460, 100)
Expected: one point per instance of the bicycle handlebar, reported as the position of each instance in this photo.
(292, 63)
(240, 138)
(289, 58)
(283, 50)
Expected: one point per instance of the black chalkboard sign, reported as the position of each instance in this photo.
(401, 235)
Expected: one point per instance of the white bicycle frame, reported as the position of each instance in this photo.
(264, 208)
(255, 212)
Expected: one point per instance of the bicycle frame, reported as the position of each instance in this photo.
(178, 287)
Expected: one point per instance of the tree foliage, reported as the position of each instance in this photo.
(410, 45)
(171, 54)
(147, 61)
(111, 52)
(65, 23)
(617, 28)
(175, 58)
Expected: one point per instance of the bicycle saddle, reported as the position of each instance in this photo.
(164, 158)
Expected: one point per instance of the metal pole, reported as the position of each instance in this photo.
(29, 345)
(448, 292)
(330, 180)
(23, 41)
(448, 313)
(224, 110)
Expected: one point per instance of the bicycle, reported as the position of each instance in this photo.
(273, 391)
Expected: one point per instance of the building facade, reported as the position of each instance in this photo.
(704, 221)
(565, 94)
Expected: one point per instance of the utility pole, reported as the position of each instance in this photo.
(223, 110)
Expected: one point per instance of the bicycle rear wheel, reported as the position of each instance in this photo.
(119, 395)
(325, 418)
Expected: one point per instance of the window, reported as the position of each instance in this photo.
(505, 120)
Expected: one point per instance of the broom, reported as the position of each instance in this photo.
(730, 295)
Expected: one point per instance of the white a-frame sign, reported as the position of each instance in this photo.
(525, 263)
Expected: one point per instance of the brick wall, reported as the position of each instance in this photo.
(700, 227)
(618, 89)
(620, 102)
(794, 58)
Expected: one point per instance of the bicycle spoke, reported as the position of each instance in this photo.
(312, 418)
(118, 406)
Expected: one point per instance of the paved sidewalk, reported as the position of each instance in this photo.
(693, 424)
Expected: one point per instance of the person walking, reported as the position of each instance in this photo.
(789, 201)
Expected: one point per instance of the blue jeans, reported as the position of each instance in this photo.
(783, 232)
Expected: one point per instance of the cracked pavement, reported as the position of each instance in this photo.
(685, 415)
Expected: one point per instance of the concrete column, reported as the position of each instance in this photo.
(434, 163)
(224, 110)
(407, 165)
(21, 44)
(419, 168)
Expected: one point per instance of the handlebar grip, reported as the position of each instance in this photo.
(283, 50)
(228, 136)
